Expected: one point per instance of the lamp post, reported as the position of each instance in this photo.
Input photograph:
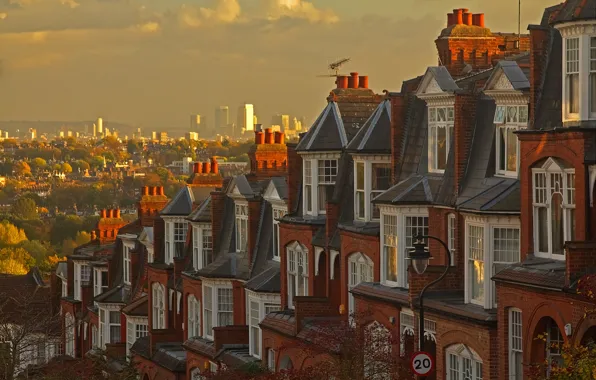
(420, 257)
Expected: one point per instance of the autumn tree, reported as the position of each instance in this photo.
(15, 260)
(25, 208)
(66, 168)
(39, 163)
(22, 168)
(10, 234)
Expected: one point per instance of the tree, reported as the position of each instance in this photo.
(39, 163)
(15, 261)
(25, 208)
(92, 367)
(10, 234)
(65, 227)
(22, 168)
(82, 237)
(66, 168)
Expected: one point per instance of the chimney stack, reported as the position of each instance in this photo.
(342, 81)
(479, 20)
(259, 138)
(363, 81)
(450, 19)
(214, 166)
(353, 80)
(152, 190)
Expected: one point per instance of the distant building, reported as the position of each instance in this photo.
(192, 136)
(222, 117)
(282, 120)
(195, 123)
(246, 119)
(99, 126)
(163, 136)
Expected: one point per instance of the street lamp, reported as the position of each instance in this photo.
(420, 256)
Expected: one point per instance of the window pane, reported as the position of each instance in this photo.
(360, 175)
(542, 229)
(322, 197)
(573, 93)
(557, 224)
(502, 148)
(390, 246)
(360, 202)
(381, 176)
(511, 150)
(476, 262)
(441, 147)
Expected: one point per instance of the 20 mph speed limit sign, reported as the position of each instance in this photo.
(422, 363)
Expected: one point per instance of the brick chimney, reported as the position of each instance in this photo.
(254, 216)
(398, 118)
(268, 159)
(159, 230)
(312, 307)
(229, 335)
(539, 39)
(465, 118)
(109, 224)
(206, 174)
(580, 259)
(218, 202)
(152, 201)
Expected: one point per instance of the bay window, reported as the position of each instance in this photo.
(509, 119)
(258, 306)
(440, 135)
(360, 269)
(194, 317)
(135, 328)
(297, 272)
(218, 306)
(398, 228)
(278, 213)
(241, 226)
(158, 306)
(572, 66)
(516, 371)
(463, 363)
(319, 173)
(175, 238)
(490, 245)
(126, 263)
(202, 246)
(100, 281)
(554, 208)
(82, 275)
(109, 325)
(70, 332)
(371, 178)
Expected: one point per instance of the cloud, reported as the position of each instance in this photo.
(224, 12)
(299, 9)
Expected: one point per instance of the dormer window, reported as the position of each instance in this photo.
(440, 134)
(320, 173)
(572, 75)
(278, 213)
(175, 238)
(126, 262)
(202, 246)
(509, 119)
(371, 178)
(241, 226)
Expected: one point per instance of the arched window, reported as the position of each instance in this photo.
(360, 269)
(297, 272)
(69, 328)
(462, 363)
(159, 311)
(194, 316)
(554, 208)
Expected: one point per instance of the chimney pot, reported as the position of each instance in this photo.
(465, 10)
(353, 80)
(199, 168)
(145, 190)
(269, 139)
(259, 138)
(276, 137)
(117, 213)
(152, 190)
(342, 81)
(458, 17)
(160, 191)
(363, 81)
(480, 20)
(282, 138)
(206, 167)
(214, 166)
(104, 213)
(449, 19)
(467, 18)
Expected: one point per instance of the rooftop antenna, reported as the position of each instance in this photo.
(335, 67)
(519, 24)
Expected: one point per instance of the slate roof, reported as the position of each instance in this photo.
(281, 321)
(202, 213)
(117, 294)
(418, 189)
(535, 271)
(281, 186)
(375, 135)
(171, 356)
(183, 202)
(327, 133)
(267, 281)
(139, 307)
(574, 10)
(444, 79)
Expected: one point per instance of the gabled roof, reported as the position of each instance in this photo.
(268, 280)
(116, 294)
(437, 80)
(375, 135)
(277, 189)
(327, 133)
(574, 10)
(138, 307)
(184, 201)
(418, 189)
(202, 213)
(507, 76)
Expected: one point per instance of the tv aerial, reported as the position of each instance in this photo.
(335, 67)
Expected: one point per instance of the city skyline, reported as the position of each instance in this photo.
(154, 62)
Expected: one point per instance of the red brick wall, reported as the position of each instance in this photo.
(160, 276)
(580, 257)
(398, 117)
(268, 160)
(352, 243)
(239, 303)
(159, 231)
(218, 200)
(289, 233)
(194, 287)
(465, 117)
(230, 335)
(538, 47)
(153, 371)
(567, 146)
(309, 307)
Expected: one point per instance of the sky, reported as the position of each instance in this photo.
(155, 62)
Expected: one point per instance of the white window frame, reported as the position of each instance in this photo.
(212, 304)
(488, 224)
(241, 225)
(126, 262)
(407, 324)
(506, 121)
(105, 323)
(98, 286)
(401, 215)
(70, 334)
(158, 306)
(452, 236)
(94, 336)
(572, 57)
(456, 356)
(278, 212)
(271, 359)
(300, 254)
(265, 303)
(79, 280)
(433, 126)
(554, 344)
(311, 180)
(542, 198)
(366, 193)
(136, 327)
(194, 317)
(202, 245)
(516, 347)
(174, 234)
(360, 269)
(64, 288)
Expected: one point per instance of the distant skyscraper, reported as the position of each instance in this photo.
(195, 123)
(222, 117)
(100, 126)
(282, 120)
(246, 120)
